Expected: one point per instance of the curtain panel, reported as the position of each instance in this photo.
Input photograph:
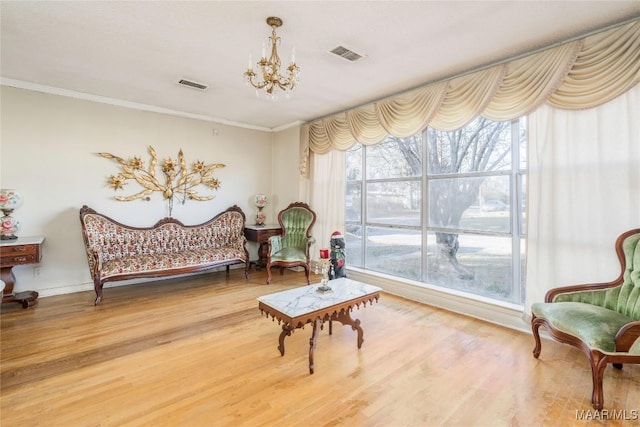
(584, 191)
(327, 197)
(576, 75)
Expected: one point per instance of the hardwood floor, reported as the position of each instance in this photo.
(197, 352)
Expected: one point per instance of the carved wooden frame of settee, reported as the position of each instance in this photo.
(590, 301)
(235, 253)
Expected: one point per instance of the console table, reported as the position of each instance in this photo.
(260, 234)
(20, 251)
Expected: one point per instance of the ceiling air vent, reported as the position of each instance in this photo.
(347, 54)
(194, 85)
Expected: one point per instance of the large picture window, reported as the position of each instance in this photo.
(443, 208)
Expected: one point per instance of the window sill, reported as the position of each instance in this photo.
(498, 312)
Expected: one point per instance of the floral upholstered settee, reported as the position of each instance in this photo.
(601, 319)
(118, 252)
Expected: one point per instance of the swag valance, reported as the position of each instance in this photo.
(576, 75)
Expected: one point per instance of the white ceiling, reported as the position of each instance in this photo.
(135, 52)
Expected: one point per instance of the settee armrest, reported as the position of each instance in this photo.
(310, 242)
(627, 335)
(274, 244)
(578, 293)
(240, 242)
(277, 243)
(581, 293)
(95, 262)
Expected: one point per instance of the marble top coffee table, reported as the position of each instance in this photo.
(296, 307)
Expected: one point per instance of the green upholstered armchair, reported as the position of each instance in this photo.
(601, 319)
(291, 249)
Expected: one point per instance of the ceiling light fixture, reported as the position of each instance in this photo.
(270, 68)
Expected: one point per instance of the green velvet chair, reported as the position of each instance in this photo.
(291, 249)
(601, 319)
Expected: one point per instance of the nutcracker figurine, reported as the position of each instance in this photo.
(337, 256)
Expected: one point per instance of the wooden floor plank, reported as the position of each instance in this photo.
(197, 352)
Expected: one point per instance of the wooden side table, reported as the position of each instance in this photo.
(20, 251)
(261, 234)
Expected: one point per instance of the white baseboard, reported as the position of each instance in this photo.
(88, 286)
(62, 290)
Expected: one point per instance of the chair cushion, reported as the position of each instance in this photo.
(290, 254)
(595, 326)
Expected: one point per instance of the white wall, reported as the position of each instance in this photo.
(48, 152)
(288, 186)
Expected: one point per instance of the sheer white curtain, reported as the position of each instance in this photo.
(584, 191)
(328, 180)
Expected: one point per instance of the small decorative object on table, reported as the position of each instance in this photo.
(261, 202)
(338, 256)
(322, 266)
(9, 200)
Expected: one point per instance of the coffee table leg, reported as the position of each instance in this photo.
(286, 331)
(344, 317)
(312, 342)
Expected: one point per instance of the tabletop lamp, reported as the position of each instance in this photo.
(261, 202)
(9, 200)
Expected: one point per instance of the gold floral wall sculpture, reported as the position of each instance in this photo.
(176, 180)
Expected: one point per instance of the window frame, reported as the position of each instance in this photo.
(516, 232)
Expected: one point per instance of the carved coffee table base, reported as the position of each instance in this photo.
(342, 317)
(316, 308)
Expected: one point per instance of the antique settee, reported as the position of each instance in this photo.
(601, 319)
(118, 252)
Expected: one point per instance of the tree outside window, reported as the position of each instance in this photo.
(443, 208)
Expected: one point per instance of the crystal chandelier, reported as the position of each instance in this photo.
(270, 68)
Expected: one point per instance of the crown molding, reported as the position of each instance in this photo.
(134, 105)
(288, 126)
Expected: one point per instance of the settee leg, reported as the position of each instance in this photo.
(598, 364)
(617, 365)
(535, 325)
(98, 288)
